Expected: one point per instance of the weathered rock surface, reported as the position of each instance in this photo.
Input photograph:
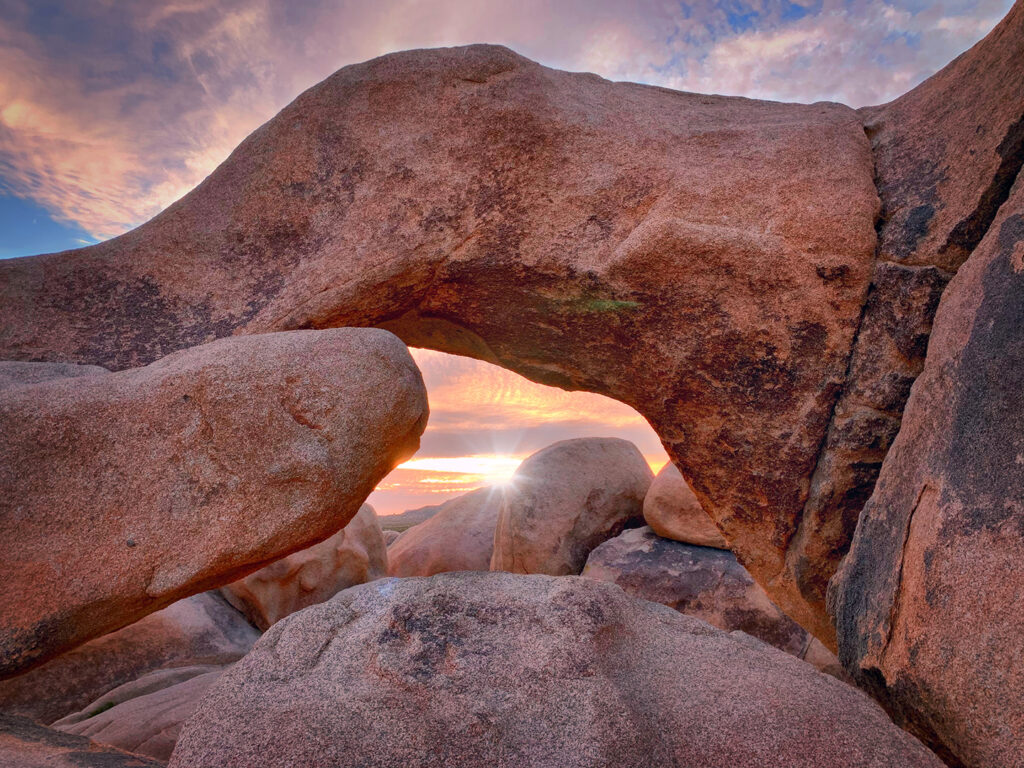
(390, 536)
(929, 603)
(485, 669)
(202, 629)
(354, 555)
(566, 499)
(146, 715)
(13, 373)
(673, 512)
(123, 492)
(458, 537)
(946, 154)
(25, 744)
(704, 259)
(702, 582)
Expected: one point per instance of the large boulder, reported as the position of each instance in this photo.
(946, 155)
(26, 744)
(673, 512)
(121, 493)
(929, 603)
(354, 555)
(566, 499)
(706, 583)
(458, 537)
(485, 669)
(202, 629)
(144, 716)
(704, 259)
(390, 536)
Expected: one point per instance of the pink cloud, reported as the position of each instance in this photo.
(113, 111)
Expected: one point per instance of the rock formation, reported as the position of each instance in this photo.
(144, 716)
(202, 629)
(390, 536)
(673, 512)
(485, 669)
(121, 493)
(929, 603)
(566, 499)
(702, 582)
(25, 744)
(459, 537)
(354, 555)
(703, 259)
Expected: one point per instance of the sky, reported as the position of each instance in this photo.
(112, 109)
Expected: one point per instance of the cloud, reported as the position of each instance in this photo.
(110, 110)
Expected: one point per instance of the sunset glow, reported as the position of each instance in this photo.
(484, 420)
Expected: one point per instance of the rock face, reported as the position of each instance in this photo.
(146, 715)
(459, 537)
(566, 499)
(25, 744)
(354, 555)
(202, 629)
(929, 604)
(703, 259)
(245, 448)
(673, 512)
(484, 669)
(702, 582)
(946, 155)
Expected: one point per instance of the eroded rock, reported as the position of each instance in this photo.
(354, 555)
(566, 499)
(929, 603)
(25, 744)
(704, 259)
(144, 716)
(484, 669)
(121, 493)
(673, 512)
(202, 629)
(458, 537)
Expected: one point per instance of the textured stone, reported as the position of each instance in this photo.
(704, 259)
(25, 744)
(146, 715)
(354, 555)
(202, 629)
(566, 499)
(458, 537)
(702, 582)
(390, 536)
(929, 603)
(121, 493)
(484, 669)
(672, 511)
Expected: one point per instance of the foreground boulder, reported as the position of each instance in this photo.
(704, 259)
(123, 492)
(354, 555)
(485, 669)
(459, 537)
(673, 512)
(929, 603)
(566, 499)
(705, 583)
(202, 629)
(144, 716)
(25, 744)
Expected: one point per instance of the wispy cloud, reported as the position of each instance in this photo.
(110, 110)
